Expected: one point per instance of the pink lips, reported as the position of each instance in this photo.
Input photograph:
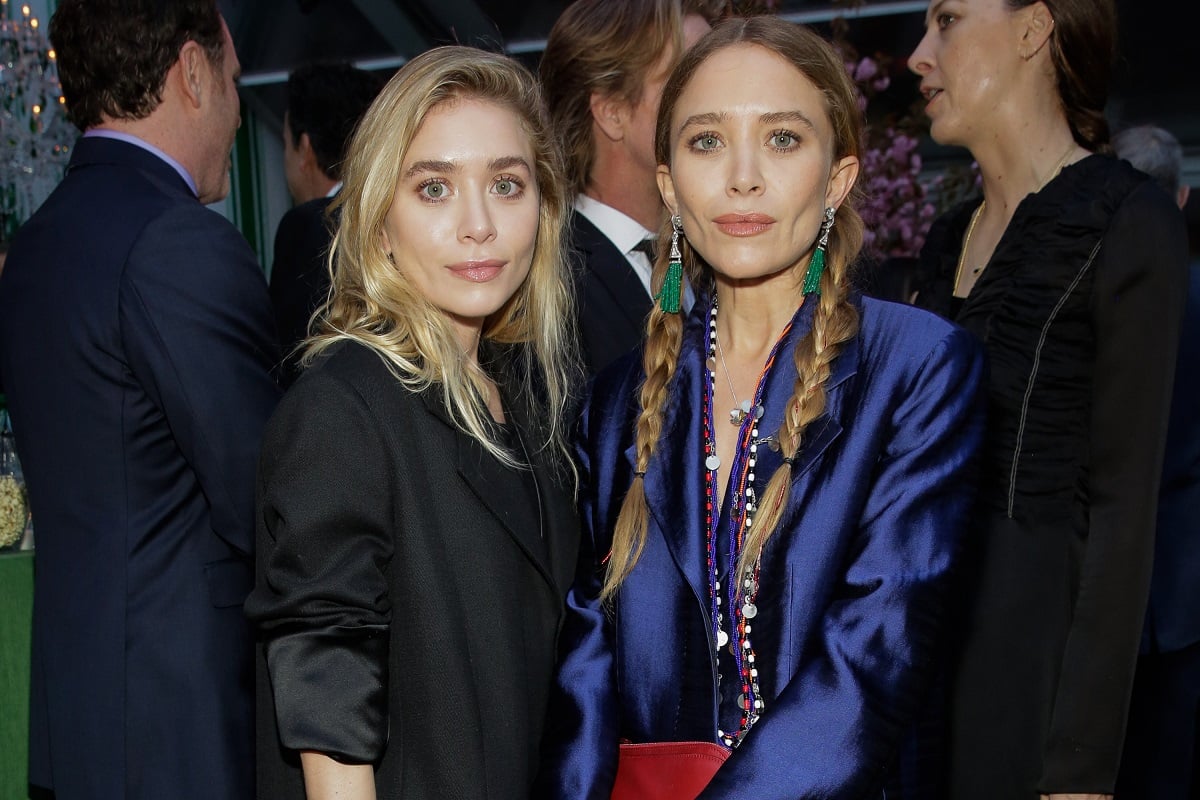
(744, 224)
(478, 271)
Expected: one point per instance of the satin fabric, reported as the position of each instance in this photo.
(853, 582)
(407, 614)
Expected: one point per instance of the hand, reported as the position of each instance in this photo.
(1077, 797)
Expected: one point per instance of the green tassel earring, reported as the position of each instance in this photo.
(672, 289)
(816, 265)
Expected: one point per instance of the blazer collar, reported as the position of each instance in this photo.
(674, 481)
(97, 150)
(548, 548)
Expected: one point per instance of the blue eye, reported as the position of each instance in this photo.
(707, 142)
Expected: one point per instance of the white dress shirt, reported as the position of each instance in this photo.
(626, 234)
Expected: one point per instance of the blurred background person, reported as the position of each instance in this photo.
(1081, 318)
(1162, 742)
(136, 345)
(417, 527)
(325, 101)
(603, 70)
(800, 461)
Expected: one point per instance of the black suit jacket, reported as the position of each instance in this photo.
(136, 343)
(612, 302)
(299, 276)
(1173, 616)
(407, 620)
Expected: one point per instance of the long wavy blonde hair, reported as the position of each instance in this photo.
(374, 303)
(835, 319)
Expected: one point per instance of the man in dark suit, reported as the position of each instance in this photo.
(136, 345)
(1161, 760)
(324, 104)
(603, 71)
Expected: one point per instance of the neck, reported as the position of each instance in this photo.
(629, 192)
(751, 317)
(1012, 170)
(319, 186)
(468, 333)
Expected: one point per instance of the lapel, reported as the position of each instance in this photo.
(674, 481)
(611, 270)
(560, 526)
(477, 470)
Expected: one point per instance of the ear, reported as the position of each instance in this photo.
(308, 156)
(1181, 197)
(842, 176)
(666, 188)
(384, 241)
(1037, 26)
(608, 114)
(195, 71)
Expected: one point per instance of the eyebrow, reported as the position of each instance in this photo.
(776, 117)
(771, 118)
(496, 164)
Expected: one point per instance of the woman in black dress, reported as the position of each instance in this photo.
(416, 530)
(1072, 271)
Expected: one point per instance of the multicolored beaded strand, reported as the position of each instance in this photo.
(742, 507)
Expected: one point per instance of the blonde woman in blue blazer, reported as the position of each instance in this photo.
(774, 487)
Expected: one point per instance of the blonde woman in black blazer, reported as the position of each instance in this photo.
(416, 531)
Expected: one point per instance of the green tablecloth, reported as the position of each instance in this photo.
(16, 610)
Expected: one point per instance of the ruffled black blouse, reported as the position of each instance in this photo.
(1080, 308)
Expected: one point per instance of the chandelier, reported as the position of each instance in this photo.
(34, 130)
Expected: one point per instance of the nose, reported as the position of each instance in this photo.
(476, 224)
(921, 60)
(745, 171)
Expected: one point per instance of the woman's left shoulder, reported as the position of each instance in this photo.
(891, 330)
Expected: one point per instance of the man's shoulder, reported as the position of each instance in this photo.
(309, 212)
(308, 224)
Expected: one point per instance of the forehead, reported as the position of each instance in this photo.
(467, 127)
(749, 79)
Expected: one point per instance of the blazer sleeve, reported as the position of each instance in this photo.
(321, 601)
(1137, 311)
(195, 324)
(835, 726)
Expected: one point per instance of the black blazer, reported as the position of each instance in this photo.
(299, 276)
(136, 343)
(612, 302)
(1173, 616)
(406, 620)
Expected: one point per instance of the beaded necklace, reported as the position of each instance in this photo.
(742, 502)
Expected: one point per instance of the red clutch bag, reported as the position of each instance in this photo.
(666, 770)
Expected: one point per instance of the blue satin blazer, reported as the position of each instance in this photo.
(853, 584)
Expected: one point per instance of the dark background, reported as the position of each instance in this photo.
(1154, 81)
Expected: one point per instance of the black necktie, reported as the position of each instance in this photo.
(649, 246)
